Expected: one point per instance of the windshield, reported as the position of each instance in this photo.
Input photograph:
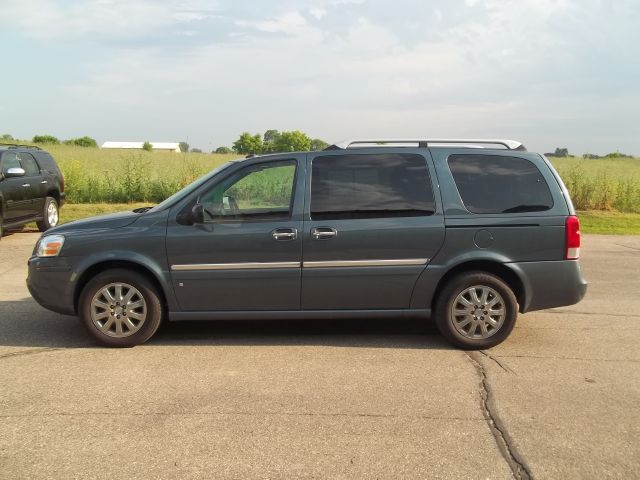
(191, 187)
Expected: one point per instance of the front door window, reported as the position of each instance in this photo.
(258, 192)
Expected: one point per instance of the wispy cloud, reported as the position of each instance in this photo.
(547, 71)
(50, 19)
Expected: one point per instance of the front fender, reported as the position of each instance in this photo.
(83, 269)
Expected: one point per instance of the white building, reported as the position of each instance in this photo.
(162, 146)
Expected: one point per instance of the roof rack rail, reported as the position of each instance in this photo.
(424, 143)
(18, 145)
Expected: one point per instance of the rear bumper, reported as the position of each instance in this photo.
(63, 197)
(551, 284)
(49, 283)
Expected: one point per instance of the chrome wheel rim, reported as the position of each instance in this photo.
(118, 310)
(478, 312)
(52, 214)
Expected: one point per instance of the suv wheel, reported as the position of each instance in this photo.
(1, 223)
(51, 215)
(476, 310)
(120, 308)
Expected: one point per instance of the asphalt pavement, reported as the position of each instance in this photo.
(560, 399)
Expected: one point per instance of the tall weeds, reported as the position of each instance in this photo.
(97, 176)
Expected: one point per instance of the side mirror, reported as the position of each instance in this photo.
(14, 172)
(197, 213)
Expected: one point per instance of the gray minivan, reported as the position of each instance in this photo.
(469, 232)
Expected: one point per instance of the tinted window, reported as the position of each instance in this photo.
(497, 184)
(29, 164)
(258, 192)
(46, 162)
(368, 186)
(10, 160)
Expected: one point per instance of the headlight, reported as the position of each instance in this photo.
(50, 246)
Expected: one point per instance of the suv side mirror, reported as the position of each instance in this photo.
(197, 213)
(14, 172)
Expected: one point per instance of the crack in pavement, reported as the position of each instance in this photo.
(504, 442)
(31, 351)
(239, 413)
(488, 355)
(545, 357)
(627, 246)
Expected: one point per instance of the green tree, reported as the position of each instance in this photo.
(617, 154)
(295, 141)
(269, 140)
(184, 147)
(222, 150)
(82, 142)
(196, 150)
(248, 143)
(317, 144)
(7, 138)
(561, 152)
(45, 139)
(147, 147)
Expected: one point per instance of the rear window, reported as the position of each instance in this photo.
(500, 184)
(370, 186)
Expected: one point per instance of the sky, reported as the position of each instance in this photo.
(550, 73)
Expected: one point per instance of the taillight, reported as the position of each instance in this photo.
(573, 238)
(61, 182)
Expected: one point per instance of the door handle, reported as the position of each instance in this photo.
(323, 233)
(43, 181)
(285, 234)
(26, 184)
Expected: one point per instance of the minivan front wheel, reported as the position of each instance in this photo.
(476, 310)
(51, 215)
(120, 308)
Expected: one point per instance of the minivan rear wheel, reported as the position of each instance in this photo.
(476, 310)
(120, 308)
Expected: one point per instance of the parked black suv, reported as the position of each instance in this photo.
(31, 187)
(368, 229)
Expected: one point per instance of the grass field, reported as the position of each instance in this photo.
(603, 184)
(607, 191)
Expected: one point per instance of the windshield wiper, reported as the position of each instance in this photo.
(526, 208)
(142, 209)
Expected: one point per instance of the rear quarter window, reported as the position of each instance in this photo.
(500, 184)
(47, 162)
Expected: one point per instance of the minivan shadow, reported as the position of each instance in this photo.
(23, 323)
(374, 333)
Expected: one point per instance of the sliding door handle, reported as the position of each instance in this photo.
(323, 233)
(285, 234)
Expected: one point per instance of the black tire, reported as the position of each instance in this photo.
(446, 320)
(45, 224)
(1, 223)
(152, 308)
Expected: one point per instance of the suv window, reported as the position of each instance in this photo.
(258, 192)
(499, 184)
(370, 186)
(10, 160)
(29, 164)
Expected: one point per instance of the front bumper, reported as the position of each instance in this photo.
(49, 283)
(551, 284)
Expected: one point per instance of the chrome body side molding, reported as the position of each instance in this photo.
(234, 266)
(402, 262)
